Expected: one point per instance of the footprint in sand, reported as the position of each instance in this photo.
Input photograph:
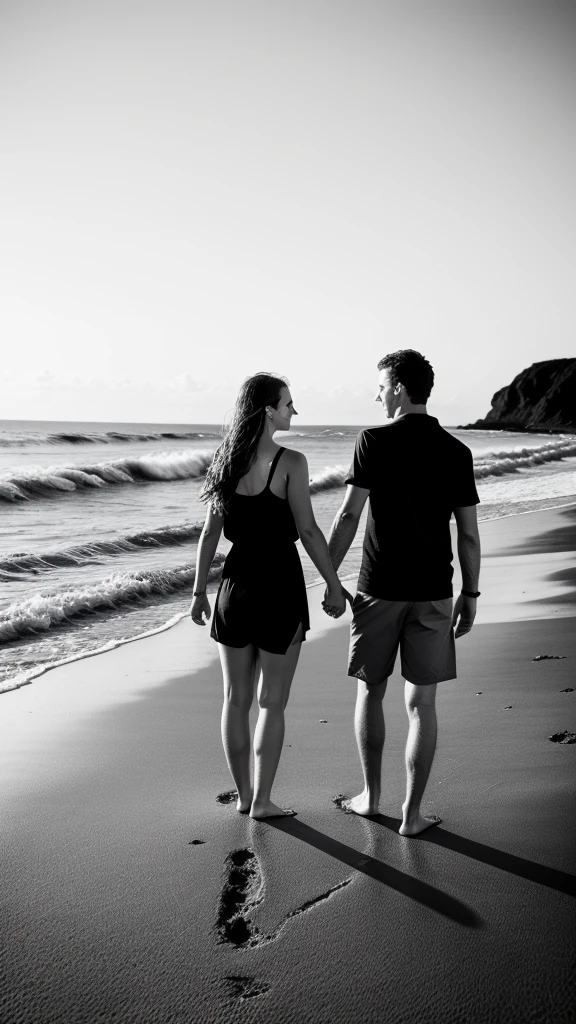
(550, 657)
(245, 986)
(242, 892)
(228, 797)
(563, 737)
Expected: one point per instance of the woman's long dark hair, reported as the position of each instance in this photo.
(237, 452)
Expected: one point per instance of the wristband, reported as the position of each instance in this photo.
(470, 593)
(198, 593)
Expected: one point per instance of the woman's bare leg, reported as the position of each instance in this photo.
(277, 675)
(239, 666)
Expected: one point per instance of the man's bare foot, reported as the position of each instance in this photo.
(361, 804)
(270, 810)
(413, 828)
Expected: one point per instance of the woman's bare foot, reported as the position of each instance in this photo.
(361, 804)
(270, 810)
(243, 804)
(420, 824)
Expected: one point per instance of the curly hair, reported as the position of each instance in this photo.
(411, 369)
(237, 452)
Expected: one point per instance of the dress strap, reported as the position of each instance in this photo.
(273, 467)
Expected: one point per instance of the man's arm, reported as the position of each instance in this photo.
(469, 558)
(346, 523)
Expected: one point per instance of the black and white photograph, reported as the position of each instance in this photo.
(287, 511)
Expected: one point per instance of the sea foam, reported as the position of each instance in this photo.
(46, 610)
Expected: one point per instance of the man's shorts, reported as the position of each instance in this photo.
(422, 630)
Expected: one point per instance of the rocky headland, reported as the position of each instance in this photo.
(541, 398)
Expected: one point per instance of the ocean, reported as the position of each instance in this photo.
(100, 522)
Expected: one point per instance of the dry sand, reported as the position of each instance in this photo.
(109, 773)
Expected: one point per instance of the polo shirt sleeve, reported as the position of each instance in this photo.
(359, 472)
(464, 492)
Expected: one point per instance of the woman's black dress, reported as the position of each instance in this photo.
(262, 596)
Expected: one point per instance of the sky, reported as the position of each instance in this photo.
(194, 192)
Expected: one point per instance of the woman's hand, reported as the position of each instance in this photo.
(334, 603)
(200, 606)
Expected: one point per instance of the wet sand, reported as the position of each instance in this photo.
(130, 894)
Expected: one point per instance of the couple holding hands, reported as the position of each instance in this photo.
(415, 475)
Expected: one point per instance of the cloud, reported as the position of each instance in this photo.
(185, 382)
(44, 379)
(222, 388)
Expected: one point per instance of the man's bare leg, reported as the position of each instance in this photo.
(420, 749)
(370, 733)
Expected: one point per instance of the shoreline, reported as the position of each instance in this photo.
(17, 682)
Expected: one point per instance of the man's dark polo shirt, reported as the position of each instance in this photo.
(417, 473)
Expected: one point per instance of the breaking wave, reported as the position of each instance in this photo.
(501, 462)
(23, 439)
(35, 481)
(496, 463)
(40, 481)
(84, 554)
(49, 610)
(330, 477)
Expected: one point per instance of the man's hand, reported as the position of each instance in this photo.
(464, 615)
(200, 605)
(334, 603)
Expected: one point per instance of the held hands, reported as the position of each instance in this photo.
(200, 606)
(334, 603)
(465, 612)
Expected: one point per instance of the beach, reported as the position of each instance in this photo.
(131, 894)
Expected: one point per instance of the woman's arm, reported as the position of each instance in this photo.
(310, 533)
(206, 550)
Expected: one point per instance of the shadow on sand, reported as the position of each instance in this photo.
(554, 879)
(394, 879)
(561, 538)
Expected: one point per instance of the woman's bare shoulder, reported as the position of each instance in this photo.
(294, 460)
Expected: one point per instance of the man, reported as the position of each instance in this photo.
(415, 474)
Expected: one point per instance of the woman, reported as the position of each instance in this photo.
(259, 494)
